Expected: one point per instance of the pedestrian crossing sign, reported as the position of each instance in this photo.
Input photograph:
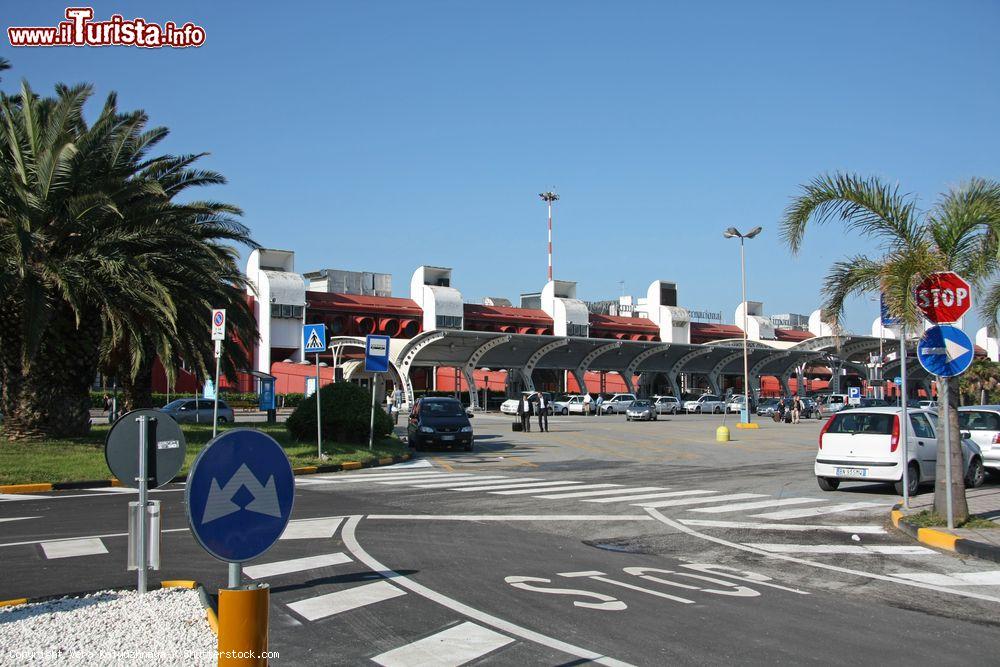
(314, 338)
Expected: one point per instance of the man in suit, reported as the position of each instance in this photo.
(543, 412)
(524, 412)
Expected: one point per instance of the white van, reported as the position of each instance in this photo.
(833, 402)
(863, 445)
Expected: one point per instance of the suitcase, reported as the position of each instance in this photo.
(517, 426)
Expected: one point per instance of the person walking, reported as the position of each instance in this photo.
(796, 409)
(586, 404)
(524, 412)
(781, 410)
(543, 413)
(598, 404)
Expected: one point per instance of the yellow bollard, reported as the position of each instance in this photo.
(722, 434)
(243, 619)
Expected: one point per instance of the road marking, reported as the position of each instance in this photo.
(412, 463)
(89, 546)
(517, 492)
(584, 494)
(452, 647)
(296, 565)
(739, 507)
(817, 511)
(987, 578)
(516, 485)
(308, 529)
(369, 479)
(647, 496)
(510, 517)
(9, 497)
(822, 566)
(330, 604)
(464, 477)
(445, 485)
(113, 489)
(351, 542)
(699, 501)
(70, 539)
(19, 518)
(793, 527)
(598, 576)
(823, 549)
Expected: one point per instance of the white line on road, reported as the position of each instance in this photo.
(450, 648)
(70, 539)
(987, 578)
(510, 517)
(817, 511)
(69, 548)
(309, 529)
(19, 518)
(10, 497)
(323, 606)
(518, 492)
(463, 477)
(699, 501)
(445, 485)
(351, 542)
(515, 485)
(648, 496)
(295, 565)
(792, 527)
(824, 549)
(739, 507)
(113, 489)
(371, 479)
(585, 494)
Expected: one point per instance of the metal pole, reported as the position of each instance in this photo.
(215, 403)
(319, 416)
(235, 574)
(371, 423)
(550, 240)
(143, 501)
(905, 416)
(746, 357)
(946, 425)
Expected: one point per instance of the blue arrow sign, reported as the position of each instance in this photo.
(377, 354)
(945, 351)
(314, 338)
(239, 495)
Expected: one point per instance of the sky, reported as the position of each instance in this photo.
(380, 136)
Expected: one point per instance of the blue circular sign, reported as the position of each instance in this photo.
(239, 495)
(945, 351)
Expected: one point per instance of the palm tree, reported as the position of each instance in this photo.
(981, 380)
(959, 233)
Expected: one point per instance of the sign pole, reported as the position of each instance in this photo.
(319, 420)
(371, 422)
(947, 453)
(905, 417)
(143, 501)
(215, 406)
(235, 574)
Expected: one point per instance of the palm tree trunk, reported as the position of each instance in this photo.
(948, 417)
(138, 391)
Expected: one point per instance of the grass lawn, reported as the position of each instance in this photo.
(75, 459)
(927, 519)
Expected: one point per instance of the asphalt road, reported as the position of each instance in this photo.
(601, 540)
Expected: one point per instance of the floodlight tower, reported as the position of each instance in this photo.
(548, 198)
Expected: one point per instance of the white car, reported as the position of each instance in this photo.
(929, 405)
(705, 403)
(509, 407)
(982, 423)
(617, 404)
(833, 402)
(666, 404)
(575, 405)
(736, 403)
(863, 445)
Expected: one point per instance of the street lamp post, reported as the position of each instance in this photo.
(730, 233)
(548, 198)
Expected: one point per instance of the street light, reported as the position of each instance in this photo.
(548, 198)
(730, 233)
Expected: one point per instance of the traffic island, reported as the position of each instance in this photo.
(979, 538)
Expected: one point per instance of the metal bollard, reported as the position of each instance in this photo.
(243, 621)
(722, 434)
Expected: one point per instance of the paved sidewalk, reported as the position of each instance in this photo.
(983, 502)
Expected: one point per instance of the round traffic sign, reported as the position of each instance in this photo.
(945, 351)
(219, 318)
(944, 297)
(165, 448)
(239, 495)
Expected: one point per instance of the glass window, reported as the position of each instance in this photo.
(921, 426)
(861, 422)
(978, 421)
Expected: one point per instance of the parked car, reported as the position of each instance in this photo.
(641, 409)
(440, 422)
(863, 444)
(832, 402)
(982, 423)
(576, 405)
(509, 407)
(705, 403)
(666, 404)
(876, 403)
(736, 403)
(617, 404)
(198, 411)
(929, 405)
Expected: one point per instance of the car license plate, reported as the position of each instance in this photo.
(447, 437)
(852, 472)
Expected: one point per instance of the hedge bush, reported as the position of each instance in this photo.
(346, 409)
(237, 401)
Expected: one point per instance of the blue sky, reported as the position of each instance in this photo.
(384, 135)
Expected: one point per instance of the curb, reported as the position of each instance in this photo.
(206, 601)
(104, 483)
(946, 541)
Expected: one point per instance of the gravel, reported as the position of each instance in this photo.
(162, 627)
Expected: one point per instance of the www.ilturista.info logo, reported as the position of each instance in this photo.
(81, 30)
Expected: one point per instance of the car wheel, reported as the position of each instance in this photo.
(914, 479)
(976, 475)
(468, 447)
(828, 483)
(654, 417)
(697, 410)
(717, 411)
(565, 411)
(222, 420)
(627, 418)
(674, 412)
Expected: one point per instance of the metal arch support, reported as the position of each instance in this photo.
(581, 380)
(679, 366)
(470, 366)
(580, 372)
(645, 354)
(409, 353)
(470, 382)
(537, 356)
(403, 375)
(715, 375)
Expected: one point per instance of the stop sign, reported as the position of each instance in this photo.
(944, 297)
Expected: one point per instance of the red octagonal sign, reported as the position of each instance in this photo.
(944, 297)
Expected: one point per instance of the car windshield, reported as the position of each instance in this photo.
(770, 401)
(173, 405)
(640, 404)
(442, 409)
(870, 423)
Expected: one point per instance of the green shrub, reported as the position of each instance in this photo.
(346, 412)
